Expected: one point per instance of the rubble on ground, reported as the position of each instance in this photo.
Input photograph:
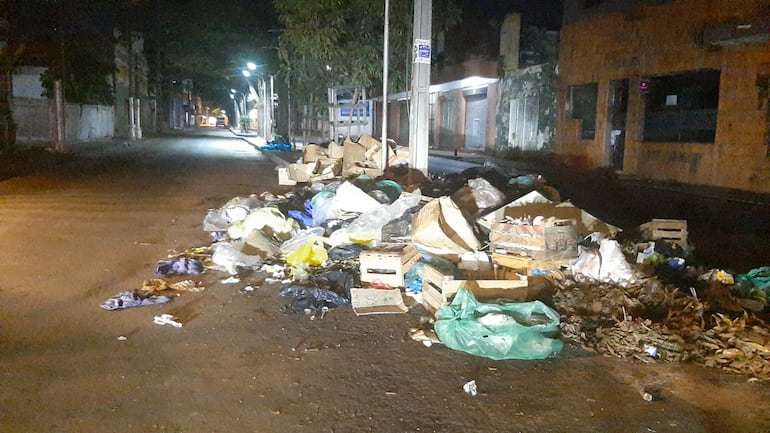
(384, 241)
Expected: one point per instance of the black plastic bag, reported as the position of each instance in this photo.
(312, 298)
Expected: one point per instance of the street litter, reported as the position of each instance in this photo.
(605, 264)
(155, 285)
(167, 319)
(501, 267)
(470, 388)
(129, 299)
(179, 266)
(231, 280)
(311, 298)
(526, 330)
(377, 301)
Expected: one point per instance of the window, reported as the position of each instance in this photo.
(582, 106)
(447, 122)
(522, 124)
(447, 113)
(682, 107)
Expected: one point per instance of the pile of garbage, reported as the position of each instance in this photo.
(502, 266)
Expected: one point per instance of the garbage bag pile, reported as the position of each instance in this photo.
(477, 248)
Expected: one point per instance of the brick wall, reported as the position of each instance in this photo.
(650, 41)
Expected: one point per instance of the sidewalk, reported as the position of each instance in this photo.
(565, 175)
(281, 158)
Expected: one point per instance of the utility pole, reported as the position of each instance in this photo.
(7, 130)
(384, 164)
(419, 104)
(59, 132)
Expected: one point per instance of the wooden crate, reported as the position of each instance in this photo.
(666, 229)
(388, 265)
(439, 288)
(526, 264)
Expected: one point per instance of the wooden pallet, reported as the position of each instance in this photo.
(666, 229)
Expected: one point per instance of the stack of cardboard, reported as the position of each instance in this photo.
(352, 158)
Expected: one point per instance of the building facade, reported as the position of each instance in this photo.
(528, 94)
(669, 90)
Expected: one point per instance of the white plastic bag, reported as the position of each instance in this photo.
(606, 264)
(484, 193)
(229, 256)
(368, 226)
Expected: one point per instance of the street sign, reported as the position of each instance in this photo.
(422, 51)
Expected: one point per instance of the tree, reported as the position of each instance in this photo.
(210, 43)
(334, 42)
(77, 39)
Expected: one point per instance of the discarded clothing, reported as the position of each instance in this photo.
(277, 146)
(179, 266)
(130, 299)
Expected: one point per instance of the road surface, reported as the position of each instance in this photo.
(79, 234)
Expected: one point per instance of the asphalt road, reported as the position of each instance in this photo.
(96, 225)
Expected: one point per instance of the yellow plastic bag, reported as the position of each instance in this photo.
(309, 254)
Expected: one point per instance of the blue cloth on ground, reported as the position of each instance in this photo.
(130, 299)
(179, 266)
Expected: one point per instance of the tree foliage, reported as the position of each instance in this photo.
(210, 42)
(335, 42)
(73, 38)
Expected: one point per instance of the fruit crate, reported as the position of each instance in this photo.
(666, 229)
(388, 265)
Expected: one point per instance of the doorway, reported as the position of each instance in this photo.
(475, 121)
(616, 123)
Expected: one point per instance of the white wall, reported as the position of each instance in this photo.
(34, 121)
(26, 82)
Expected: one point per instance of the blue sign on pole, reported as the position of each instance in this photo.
(422, 51)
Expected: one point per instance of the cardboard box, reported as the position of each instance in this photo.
(553, 241)
(358, 157)
(388, 265)
(441, 228)
(439, 288)
(377, 301)
(534, 204)
(312, 152)
(283, 177)
(300, 172)
(336, 150)
(325, 165)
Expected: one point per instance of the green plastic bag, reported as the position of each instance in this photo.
(524, 330)
(756, 280)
